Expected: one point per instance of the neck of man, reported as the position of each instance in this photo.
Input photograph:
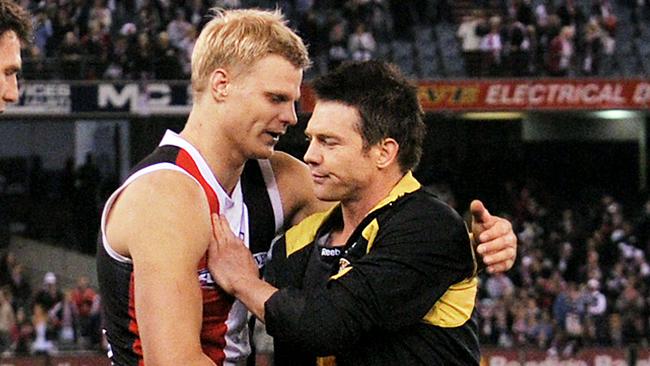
(222, 155)
(355, 209)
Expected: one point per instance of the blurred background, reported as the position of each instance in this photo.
(537, 107)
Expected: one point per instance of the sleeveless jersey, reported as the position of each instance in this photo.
(224, 335)
(265, 214)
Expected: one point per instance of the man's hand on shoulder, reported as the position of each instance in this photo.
(497, 243)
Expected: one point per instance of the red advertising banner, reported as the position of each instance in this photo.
(524, 94)
(549, 94)
(585, 357)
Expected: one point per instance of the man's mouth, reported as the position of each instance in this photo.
(275, 135)
(318, 177)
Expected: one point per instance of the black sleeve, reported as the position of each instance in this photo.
(413, 261)
(282, 270)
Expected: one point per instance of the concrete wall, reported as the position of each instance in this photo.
(39, 258)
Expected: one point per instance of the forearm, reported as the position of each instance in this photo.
(313, 322)
(253, 293)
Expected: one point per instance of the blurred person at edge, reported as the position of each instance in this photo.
(15, 32)
(247, 69)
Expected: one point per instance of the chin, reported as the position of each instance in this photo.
(326, 196)
(264, 153)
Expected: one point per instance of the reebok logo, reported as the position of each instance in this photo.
(330, 252)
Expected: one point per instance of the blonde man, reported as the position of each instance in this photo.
(160, 302)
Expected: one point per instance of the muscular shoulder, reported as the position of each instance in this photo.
(160, 208)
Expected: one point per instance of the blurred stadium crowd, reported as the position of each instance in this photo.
(152, 39)
(581, 279)
(48, 319)
(582, 276)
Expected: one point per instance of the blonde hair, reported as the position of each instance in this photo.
(238, 38)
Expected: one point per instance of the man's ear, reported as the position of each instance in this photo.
(219, 83)
(387, 150)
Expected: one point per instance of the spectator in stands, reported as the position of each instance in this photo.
(523, 12)
(70, 56)
(7, 264)
(380, 23)
(20, 288)
(499, 285)
(42, 344)
(142, 56)
(197, 14)
(87, 303)
(124, 49)
(22, 333)
(178, 28)
(100, 15)
(615, 331)
(571, 14)
(519, 49)
(63, 318)
(118, 66)
(596, 306)
(560, 52)
(570, 308)
(338, 48)
(148, 20)
(491, 48)
(49, 295)
(81, 14)
(43, 30)
(361, 44)
(97, 47)
(166, 64)
(593, 45)
(470, 43)
(185, 49)
(62, 24)
(632, 306)
(7, 319)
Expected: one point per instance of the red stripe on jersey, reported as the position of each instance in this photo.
(136, 347)
(185, 161)
(216, 303)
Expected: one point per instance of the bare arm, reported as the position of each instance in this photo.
(161, 222)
